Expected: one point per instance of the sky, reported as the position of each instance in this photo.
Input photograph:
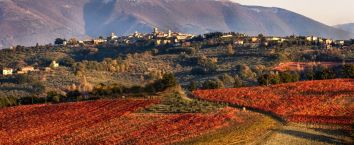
(330, 12)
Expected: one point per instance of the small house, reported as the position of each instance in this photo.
(340, 42)
(254, 39)
(328, 41)
(311, 38)
(239, 42)
(54, 64)
(7, 71)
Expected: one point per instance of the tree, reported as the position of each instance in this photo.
(227, 79)
(323, 73)
(192, 86)
(38, 87)
(348, 71)
(67, 61)
(237, 82)
(59, 41)
(230, 50)
(213, 84)
(287, 77)
(169, 80)
(244, 71)
(309, 74)
(269, 79)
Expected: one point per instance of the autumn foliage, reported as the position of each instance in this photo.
(325, 101)
(104, 122)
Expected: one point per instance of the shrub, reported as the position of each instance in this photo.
(193, 86)
(198, 71)
(213, 84)
(8, 101)
(269, 79)
(237, 82)
(348, 71)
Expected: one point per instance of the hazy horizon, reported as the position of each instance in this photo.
(325, 11)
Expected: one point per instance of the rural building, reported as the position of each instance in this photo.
(226, 36)
(155, 31)
(25, 70)
(99, 41)
(340, 42)
(112, 37)
(328, 41)
(7, 71)
(239, 42)
(311, 38)
(254, 39)
(54, 64)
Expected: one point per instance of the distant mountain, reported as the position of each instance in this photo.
(27, 22)
(346, 27)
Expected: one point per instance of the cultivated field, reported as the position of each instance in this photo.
(300, 66)
(324, 101)
(106, 122)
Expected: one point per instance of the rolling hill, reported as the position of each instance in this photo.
(31, 21)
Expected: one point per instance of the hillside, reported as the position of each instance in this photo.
(346, 27)
(31, 21)
(325, 101)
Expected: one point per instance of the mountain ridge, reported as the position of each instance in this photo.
(346, 27)
(28, 22)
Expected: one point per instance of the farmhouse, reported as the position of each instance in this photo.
(54, 64)
(7, 71)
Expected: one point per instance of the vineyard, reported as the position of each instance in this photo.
(105, 122)
(325, 101)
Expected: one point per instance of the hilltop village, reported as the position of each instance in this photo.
(161, 39)
(132, 63)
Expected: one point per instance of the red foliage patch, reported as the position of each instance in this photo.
(103, 122)
(327, 101)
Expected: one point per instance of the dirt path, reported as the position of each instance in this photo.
(300, 135)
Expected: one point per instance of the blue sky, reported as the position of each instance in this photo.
(330, 12)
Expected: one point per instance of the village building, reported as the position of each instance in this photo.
(320, 40)
(155, 31)
(239, 42)
(7, 71)
(340, 42)
(163, 41)
(99, 41)
(25, 70)
(274, 39)
(328, 41)
(54, 64)
(311, 38)
(254, 39)
(226, 36)
(186, 44)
